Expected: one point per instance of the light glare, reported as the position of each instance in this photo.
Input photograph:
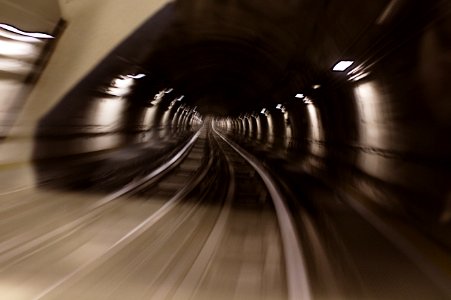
(18, 37)
(13, 48)
(117, 91)
(308, 101)
(343, 65)
(14, 65)
(122, 82)
(138, 76)
(359, 76)
(37, 35)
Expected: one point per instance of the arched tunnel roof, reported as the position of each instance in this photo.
(232, 57)
(364, 163)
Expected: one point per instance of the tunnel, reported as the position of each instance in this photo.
(225, 149)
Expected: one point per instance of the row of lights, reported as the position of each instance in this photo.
(18, 49)
(280, 107)
(305, 99)
(122, 86)
(354, 75)
(341, 66)
(119, 87)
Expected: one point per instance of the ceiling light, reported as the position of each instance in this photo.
(15, 48)
(300, 96)
(263, 111)
(343, 65)
(316, 86)
(37, 35)
(18, 37)
(279, 106)
(137, 76)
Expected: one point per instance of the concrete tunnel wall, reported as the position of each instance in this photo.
(101, 113)
(377, 133)
(382, 135)
(93, 29)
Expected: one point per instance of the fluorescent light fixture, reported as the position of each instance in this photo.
(17, 37)
(14, 66)
(14, 48)
(37, 35)
(137, 76)
(279, 106)
(300, 96)
(342, 65)
(316, 86)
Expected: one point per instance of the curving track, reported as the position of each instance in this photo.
(208, 224)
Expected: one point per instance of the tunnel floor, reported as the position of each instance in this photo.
(205, 226)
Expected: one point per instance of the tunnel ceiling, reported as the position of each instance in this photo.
(230, 56)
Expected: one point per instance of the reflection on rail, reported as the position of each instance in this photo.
(206, 220)
(199, 226)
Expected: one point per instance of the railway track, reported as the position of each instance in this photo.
(205, 224)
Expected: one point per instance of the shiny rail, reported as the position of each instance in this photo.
(297, 277)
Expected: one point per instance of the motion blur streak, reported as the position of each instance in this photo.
(225, 149)
(296, 272)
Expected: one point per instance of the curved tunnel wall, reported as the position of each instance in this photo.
(382, 133)
(92, 31)
(102, 113)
